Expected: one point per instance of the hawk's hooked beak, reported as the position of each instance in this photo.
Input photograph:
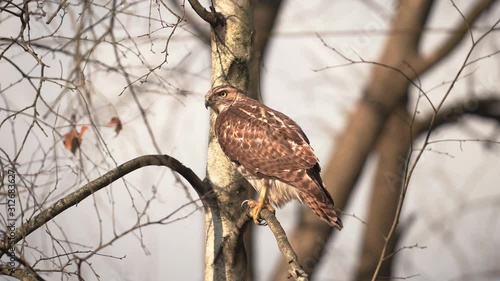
(207, 102)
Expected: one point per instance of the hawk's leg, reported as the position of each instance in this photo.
(257, 206)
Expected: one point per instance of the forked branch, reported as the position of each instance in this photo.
(213, 18)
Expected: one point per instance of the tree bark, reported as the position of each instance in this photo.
(264, 17)
(231, 41)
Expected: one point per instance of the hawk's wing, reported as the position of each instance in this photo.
(263, 140)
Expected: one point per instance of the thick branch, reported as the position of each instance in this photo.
(18, 273)
(265, 16)
(83, 192)
(295, 269)
(392, 149)
(199, 28)
(400, 52)
(213, 18)
(487, 108)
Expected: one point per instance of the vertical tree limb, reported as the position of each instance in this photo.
(225, 254)
(265, 16)
(392, 150)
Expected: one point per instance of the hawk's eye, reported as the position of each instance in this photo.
(223, 94)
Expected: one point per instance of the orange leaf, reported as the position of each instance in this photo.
(115, 121)
(73, 139)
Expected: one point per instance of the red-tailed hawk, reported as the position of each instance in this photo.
(271, 151)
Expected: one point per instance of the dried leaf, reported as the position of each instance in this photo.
(73, 139)
(115, 121)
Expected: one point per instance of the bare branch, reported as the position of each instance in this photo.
(18, 273)
(487, 108)
(265, 16)
(295, 269)
(199, 31)
(77, 196)
(213, 18)
(392, 148)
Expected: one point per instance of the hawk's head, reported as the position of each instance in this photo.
(221, 97)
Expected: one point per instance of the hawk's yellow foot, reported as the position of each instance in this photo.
(256, 207)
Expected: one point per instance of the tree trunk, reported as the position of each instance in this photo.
(265, 15)
(392, 151)
(225, 253)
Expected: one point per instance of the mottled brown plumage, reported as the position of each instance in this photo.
(271, 151)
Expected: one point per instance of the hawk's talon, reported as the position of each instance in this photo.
(255, 207)
(250, 204)
(244, 202)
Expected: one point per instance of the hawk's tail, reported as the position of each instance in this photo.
(325, 211)
(321, 203)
